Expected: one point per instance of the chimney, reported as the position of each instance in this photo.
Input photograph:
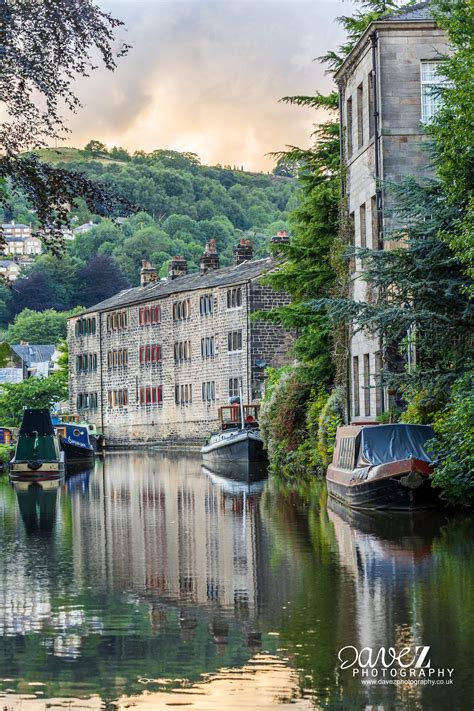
(281, 237)
(243, 251)
(210, 258)
(148, 273)
(178, 268)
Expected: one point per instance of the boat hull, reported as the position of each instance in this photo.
(241, 457)
(405, 490)
(75, 454)
(37, 471)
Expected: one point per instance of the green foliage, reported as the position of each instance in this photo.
(32, 392)
(454, 445)
(330, 418)
(6, 454)
(39, 327)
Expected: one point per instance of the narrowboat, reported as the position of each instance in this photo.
(6, 435)
(382, 467)
(37, 454)
(237, 450)
(96, 438)
(75, 443)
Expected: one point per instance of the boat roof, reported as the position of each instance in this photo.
(37, 421)
(390, 443)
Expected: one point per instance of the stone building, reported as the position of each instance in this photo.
(387, 88)
(154, 363)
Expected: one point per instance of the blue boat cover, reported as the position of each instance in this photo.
(382, 444)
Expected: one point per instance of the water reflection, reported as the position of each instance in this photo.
(150, 574)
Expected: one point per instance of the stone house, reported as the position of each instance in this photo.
(154, 363)
(387, 87)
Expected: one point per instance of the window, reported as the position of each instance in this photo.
(208, 347)
(234, 298)
(206, 304)
(86, 401)
(149, 315)
(182, 351)
(371, 105)
(234, 341)
(234, 387)
(150, 353)
(352, 264)
(183, 394)
(360, 116)
(374, 218)
(117, 321)
(209, 391)
(349, 127)
(118, 398)
(367, 385)
(182, 310)
(431, 83)
(363, 226)
(85, 326)
(86, 363)
(151, 395)
(117, 358)
(355, 386)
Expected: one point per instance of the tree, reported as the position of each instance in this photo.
(32, 392)
(95, 148)
(45, 327)
(35, 82)
(99, 279)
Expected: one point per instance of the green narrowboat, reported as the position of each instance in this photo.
(37, 455)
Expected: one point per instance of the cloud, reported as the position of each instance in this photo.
(207, 75)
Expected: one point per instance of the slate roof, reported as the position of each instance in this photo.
(217, 277)
(11, 375)
(31, 354)
(419, 11)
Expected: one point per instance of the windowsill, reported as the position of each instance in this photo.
(151, 405)
(234, 308)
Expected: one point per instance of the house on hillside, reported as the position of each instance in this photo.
(387, 87)
(28, 360)
(19, 240)
(154, 363)
(9, 269)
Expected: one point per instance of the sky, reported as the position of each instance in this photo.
(206, 76)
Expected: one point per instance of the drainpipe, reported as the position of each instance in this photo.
(101, 375)
(378, 190)
(343, 195)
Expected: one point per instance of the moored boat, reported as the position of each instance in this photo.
(237, 450)
(37, 454)
(75, 443)
(96, 438)
(382, 467)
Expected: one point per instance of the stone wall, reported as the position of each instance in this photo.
(167, 422)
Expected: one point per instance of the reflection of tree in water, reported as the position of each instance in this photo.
(37, 508)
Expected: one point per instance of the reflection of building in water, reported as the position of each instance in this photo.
(169, 532)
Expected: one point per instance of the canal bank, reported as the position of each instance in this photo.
(145, 576)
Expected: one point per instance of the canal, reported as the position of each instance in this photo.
(149, 583)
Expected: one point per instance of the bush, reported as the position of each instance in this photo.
(454, 445)
(331, 417)
(6, 454)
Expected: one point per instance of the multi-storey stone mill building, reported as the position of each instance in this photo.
(387, 87)
(154, 363)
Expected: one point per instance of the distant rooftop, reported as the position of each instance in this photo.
(419, 11)
(13, 225)
(215, 277)
(31, 354)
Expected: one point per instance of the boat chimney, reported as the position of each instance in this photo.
(210, 258)
(148, 273)
(178, 268)
(243, 251)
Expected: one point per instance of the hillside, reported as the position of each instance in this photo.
(178, 205)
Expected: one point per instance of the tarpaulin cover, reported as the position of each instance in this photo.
(38, 421)
(381, 444)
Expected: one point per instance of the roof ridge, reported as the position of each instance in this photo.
(406, 10)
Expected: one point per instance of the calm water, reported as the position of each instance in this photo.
(149, 583)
